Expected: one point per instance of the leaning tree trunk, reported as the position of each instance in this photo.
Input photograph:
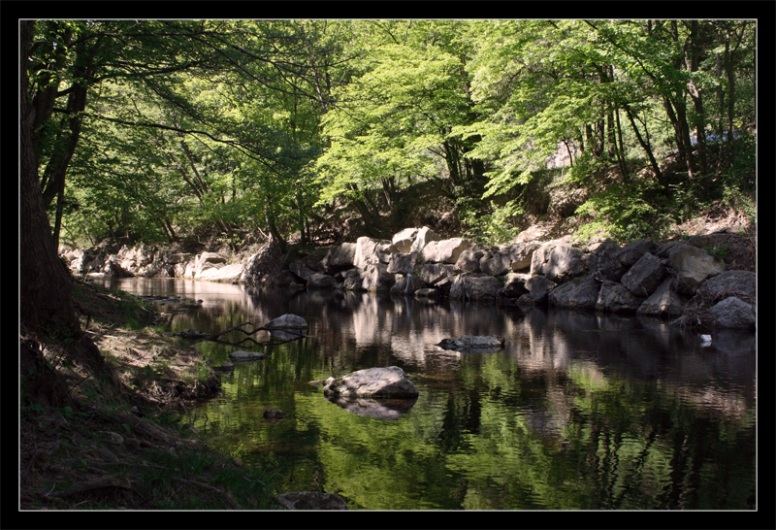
(45, 285)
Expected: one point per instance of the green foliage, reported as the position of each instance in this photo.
(622, 212)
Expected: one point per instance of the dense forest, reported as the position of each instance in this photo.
(158, 131)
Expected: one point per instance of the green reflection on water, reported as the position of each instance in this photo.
(490, 438)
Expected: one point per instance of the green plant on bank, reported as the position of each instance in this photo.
(489, 227)
(622, 212)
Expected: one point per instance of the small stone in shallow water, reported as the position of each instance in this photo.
(705, 341)
(472, 343)
(274, 414)
(241, 355)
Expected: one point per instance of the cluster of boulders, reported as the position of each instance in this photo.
(666, 280)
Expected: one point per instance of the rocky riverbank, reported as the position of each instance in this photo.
(701, 282)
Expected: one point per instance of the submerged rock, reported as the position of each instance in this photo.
(242, 355)
(388, 382)
(274, 414)
(311, 500)
(472, 343)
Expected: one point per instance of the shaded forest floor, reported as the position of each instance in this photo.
(113, 442)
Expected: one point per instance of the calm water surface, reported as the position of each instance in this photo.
(579, 411)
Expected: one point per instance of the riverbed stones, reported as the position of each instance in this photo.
(445, 250)
(645, 275)
(390, 382)
(469, 343)
(287, 327)
(740, 284)
(664, 302)
(692, 265)
(339, 257)
(579, 293)
(475, 287)
(557, 260)
(311, 500)
(615, 298)
(242, 355)
(732, 312)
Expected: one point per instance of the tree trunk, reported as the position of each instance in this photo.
(45, 284)
(644, 143)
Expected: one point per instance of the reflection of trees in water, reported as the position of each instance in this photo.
(579, 411)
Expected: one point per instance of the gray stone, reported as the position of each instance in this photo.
(376, 278)
(469, 343)
(445, 250)
(615, 298)
(733, 312)
(520, 255)
(242, 355)
(352, 280)
(370, 252)
(475, 287)
(339, 257)
(664, 302)
(631, 252)
(692, 266)
(412, 239)
(645, 275)
(287, 327)
(406, 285)
(514, 285)
(403, 263)
(389, 382)
(602, 261)
(319, 280)
(228, 273)
(495, 264)
(311, 500)
(580, 293)
(433, 273)
(741, 284)
(558, 261)
(469, 260)
(538, 288)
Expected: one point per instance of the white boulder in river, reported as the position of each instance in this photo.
(388, 382)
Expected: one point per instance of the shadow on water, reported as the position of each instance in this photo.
(579, 411)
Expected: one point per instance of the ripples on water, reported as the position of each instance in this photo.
(579, 411)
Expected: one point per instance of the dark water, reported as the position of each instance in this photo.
(579, 411)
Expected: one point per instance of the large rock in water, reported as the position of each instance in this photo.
(469, 260)
(311, 500)
(388, 382)
(514, 285)
(403, 263)
(376, 278)
(469, 343)
(475, 287)
(664, 302)
(692, 265)
(740, 284)
(645, 275)
(581, 293)
(370, 252)
(340, 257)
(615, 298)
(412, 239)
(287, 327)
(733, 312)
(445, 250)
(319, 280)
(558, 261)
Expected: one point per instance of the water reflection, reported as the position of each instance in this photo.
(578, 411)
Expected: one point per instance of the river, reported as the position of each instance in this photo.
(579, 411)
